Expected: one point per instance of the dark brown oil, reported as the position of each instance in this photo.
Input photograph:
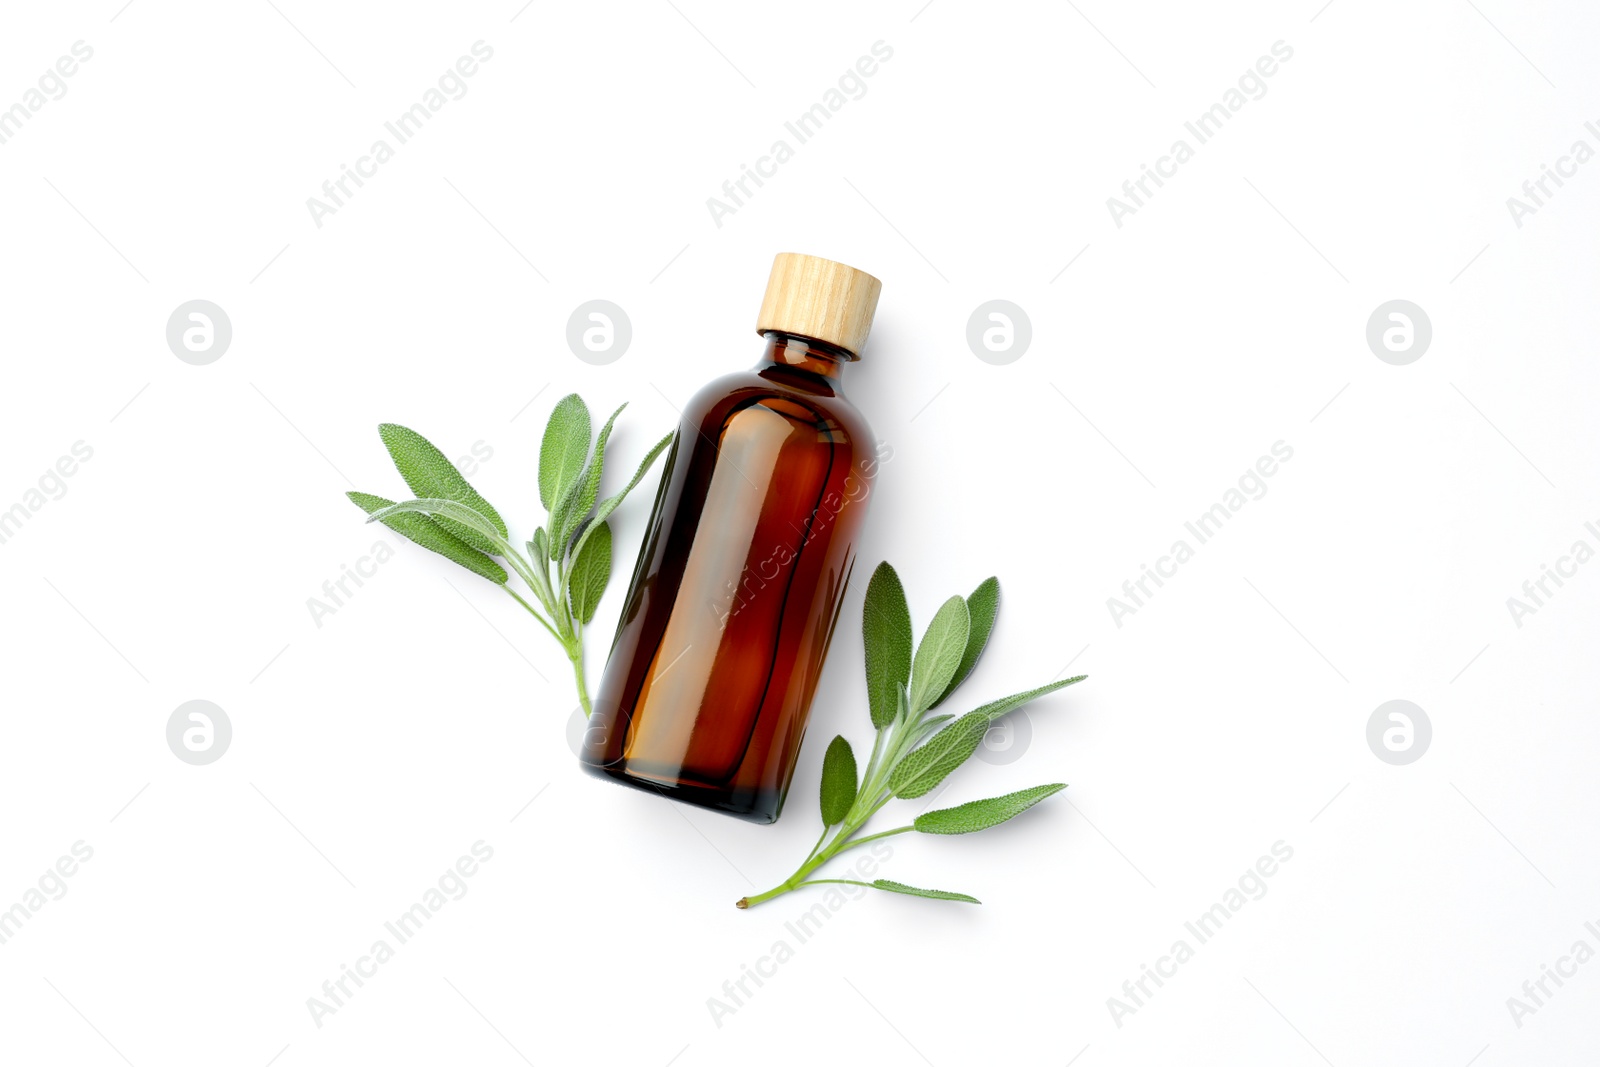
(737, 589)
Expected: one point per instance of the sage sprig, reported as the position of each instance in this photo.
(911, 753)
(451, 518)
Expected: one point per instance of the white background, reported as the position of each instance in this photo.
(1228, 714)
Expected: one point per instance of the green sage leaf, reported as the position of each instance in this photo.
(456, 512)
(982, 606)
(931, 894)
(430, 474)
(591, 572)
(564, 450)
(541, 572)
(609, 504)
(994, 709)
(938, 654)
(569, 515)
(918, 773)
(928, 726)
(430, 535)
(838, 781)
(981, 814)
(886, 637)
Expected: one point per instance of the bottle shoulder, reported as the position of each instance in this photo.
(718, 399)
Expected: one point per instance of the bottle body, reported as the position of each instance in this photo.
(733, 601)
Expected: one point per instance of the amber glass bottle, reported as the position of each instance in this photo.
(745, 561)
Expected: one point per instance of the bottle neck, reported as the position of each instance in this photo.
(805, 354)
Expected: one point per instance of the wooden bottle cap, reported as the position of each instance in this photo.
(821, 299)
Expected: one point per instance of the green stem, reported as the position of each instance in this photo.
(760, 898)
(798, 878)
(820, 854)
(531, 611)
(575, 654)
(887, 750)
(873, 837)
(521, 566)
(565, 628)
(872, 762)
(820, 840)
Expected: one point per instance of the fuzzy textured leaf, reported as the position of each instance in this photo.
(569, 515)
(438, 507)
(917, 774)
(564, 450)
(982, 606)
(609, 504)
(430, 535)
(429, 474)
(994, 709)
(981, 814)
(938, 654)
(838, 781)
(930, 724)
(931, 894)
(591, 572)
(886, 638)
